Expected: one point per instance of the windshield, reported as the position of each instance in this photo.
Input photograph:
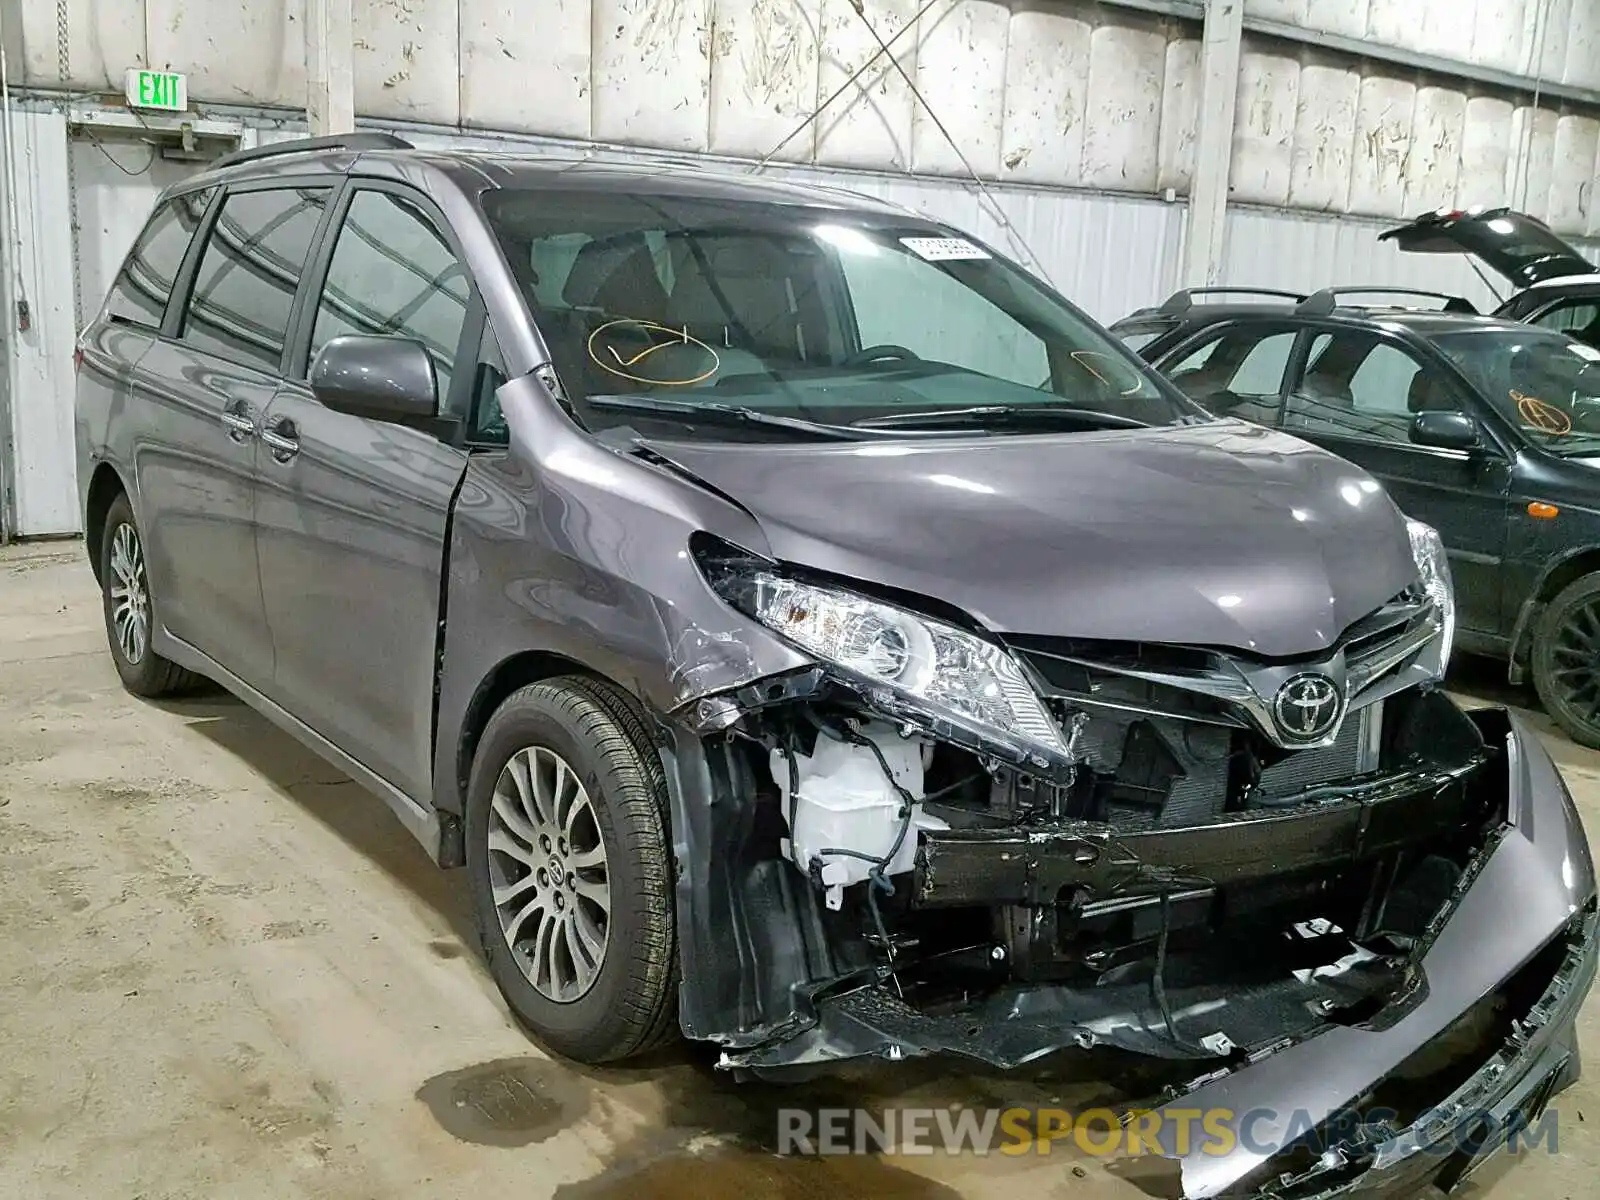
(1544, 382)
(659, 308)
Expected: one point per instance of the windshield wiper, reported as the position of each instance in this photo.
(982, 416)
(718, 414)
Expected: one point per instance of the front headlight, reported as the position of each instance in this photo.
(1433, 569)
(909, 666)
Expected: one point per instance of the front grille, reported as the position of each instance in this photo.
(1300, 769)
(1222, 687)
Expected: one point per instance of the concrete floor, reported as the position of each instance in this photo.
(226, 971)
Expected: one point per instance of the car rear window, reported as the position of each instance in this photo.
(144, 285)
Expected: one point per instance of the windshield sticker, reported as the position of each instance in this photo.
(1545, 417)
(943, 249)
(1588, 353)
(633, 350)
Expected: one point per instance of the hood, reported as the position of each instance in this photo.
(1222, 534)
(1520, 248)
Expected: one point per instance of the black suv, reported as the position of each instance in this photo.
(1486, 429)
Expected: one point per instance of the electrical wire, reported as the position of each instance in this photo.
(843, 87)
(998, 213)
(877, 880)
(106, 154)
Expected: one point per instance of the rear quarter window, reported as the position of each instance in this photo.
(142, 288)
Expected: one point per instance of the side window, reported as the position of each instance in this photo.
(1357, 385)
(141, 290)
(486, 425)
(1237, 372)
(393, 274)
(1261, 372)
(245, 284)
(1576, 318)
(1382, 383)
(950, 323)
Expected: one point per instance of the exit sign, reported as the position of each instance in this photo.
(157, 89)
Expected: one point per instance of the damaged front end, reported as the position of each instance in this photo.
(1032, 844)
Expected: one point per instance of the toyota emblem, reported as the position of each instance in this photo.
(1306, 707)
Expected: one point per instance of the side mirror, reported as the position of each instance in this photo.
(1445, 430)
(382, 378)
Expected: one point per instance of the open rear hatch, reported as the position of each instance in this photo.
(1516, 246)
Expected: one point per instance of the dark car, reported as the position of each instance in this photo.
(812, 633)
(1487, 430)
(1555, 285)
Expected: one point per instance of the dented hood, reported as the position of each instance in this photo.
(1221, 534)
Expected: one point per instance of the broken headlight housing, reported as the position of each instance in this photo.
(911, 667)
(1433, 572)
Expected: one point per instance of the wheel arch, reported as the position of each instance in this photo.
(105, 485)
(510, 674)
(1557, 576)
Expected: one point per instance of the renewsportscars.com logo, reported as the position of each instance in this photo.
(1100, 1132)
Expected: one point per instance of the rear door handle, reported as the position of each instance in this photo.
(237, 417)
(282, 438)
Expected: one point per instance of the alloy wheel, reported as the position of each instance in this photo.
(130, 595)
(1575, 654)
(547, 869)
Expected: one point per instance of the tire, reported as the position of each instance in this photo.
(1566, 660)
(130, 611)
(537, 949)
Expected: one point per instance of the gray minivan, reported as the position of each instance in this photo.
(814, 635)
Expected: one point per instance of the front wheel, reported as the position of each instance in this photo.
(569, 866)
(1566, 660)
(130, 610)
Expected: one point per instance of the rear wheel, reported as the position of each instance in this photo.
(130, 610)
(1566, 659)
(570, 870)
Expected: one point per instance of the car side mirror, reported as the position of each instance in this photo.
(381, 378)
(1445, 430)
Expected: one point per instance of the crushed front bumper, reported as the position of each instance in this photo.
(1531, 888)
(1536, 885)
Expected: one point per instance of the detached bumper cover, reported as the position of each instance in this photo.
(1533, 887)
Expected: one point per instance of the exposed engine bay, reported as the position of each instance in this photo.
(1218, 855)
(1187, 892)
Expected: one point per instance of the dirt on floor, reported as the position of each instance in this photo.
(226, 971)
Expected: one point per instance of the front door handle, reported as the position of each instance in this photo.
(282, 438)
(241, 423)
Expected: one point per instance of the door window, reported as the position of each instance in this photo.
(1575, 318)
(1358, 385)
(393, 274)
(1237, 373)
(245, 285)
(145, 282)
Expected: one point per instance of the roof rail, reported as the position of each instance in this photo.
(342, 141)
(1183, 301)
(1325, 301)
